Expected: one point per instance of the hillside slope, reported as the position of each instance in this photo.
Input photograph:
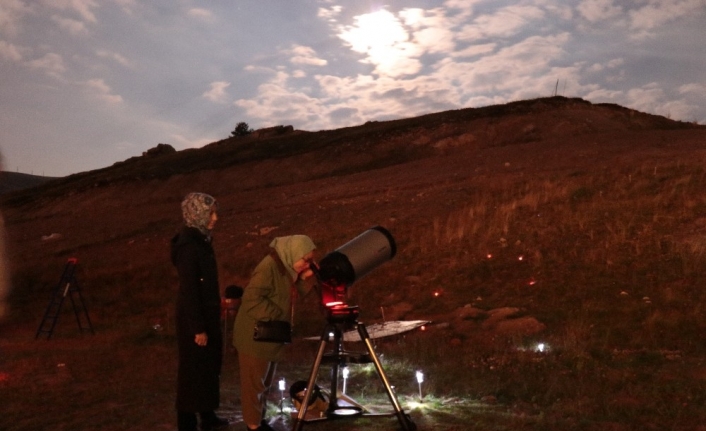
(553, 221)
(412, 176)
(12, 181)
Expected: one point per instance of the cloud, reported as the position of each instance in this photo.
(515, 68)
(9, 51)
(11, 14)
(99, 89)
(610, 64)
(217, 93)
(598, 10)
(461, 9)
(504, 23)
(430, 30)
(306, 55)
(329, 14)
(181, 141)
(646, 98)
(74, 27)
(385, 43)
(693, 89)
(102, 53)
(52, 64)
(474, 50)
(126, 5)
(394, 89)
(277, 103)
(200, 13)
(645, 20)
(372, 30)
(84, 8)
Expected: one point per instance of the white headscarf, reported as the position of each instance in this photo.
(196, 209)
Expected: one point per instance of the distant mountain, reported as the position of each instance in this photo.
(11, 181)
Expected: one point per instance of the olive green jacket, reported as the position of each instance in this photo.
(266, 297)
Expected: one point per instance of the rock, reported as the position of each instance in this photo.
(469, 312)
(159, 150)
(520, 326)
(267, 132)
(498, 314)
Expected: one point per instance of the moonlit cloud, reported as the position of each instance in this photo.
(506, 22)
(200, 13)
(9, 52)
(74, 27)
(99, 89)
(217, 93)
(695, 89)
(659, 12)
(306, 55)
(114, 56)
(475, 50)
(52, 64)
(598, 10)
(385, 43)
(329, 13)
(186, 72)
(11, 14)
(82, 8)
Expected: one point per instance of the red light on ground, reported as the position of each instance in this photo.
(423, 328)
(437, 294)
(489, 256)
(520, 258)
(532, 282)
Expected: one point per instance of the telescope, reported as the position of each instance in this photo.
(335, 274)
(338, 270)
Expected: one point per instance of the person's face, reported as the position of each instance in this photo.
(303, 266)
(213, 220)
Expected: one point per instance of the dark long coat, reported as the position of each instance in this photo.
(198, 310)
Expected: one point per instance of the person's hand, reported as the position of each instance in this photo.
(201, 339)
(303, 266)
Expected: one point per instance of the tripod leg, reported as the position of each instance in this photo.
(405, 420)
(299, 421)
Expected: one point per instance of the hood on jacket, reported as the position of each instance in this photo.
(292, 248)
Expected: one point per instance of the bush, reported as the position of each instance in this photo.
(241, 129)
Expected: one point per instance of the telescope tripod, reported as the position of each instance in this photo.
(346, 408)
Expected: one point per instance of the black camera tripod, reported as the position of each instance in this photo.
(338, 319)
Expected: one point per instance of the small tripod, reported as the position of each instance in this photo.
(340, 318)
(67, 286)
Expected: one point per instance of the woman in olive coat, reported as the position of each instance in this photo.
(268, 296)
(198, 327)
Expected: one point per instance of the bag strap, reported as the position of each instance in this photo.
(292, 287)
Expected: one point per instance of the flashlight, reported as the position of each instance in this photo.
(420, 379)
(346, 372)
(282, 385)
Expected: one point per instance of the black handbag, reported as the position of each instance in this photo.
(273, 331)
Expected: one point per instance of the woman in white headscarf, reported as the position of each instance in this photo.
(198, 327)
(268, 296)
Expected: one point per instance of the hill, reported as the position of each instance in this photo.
(11, 181)
(585, 218)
